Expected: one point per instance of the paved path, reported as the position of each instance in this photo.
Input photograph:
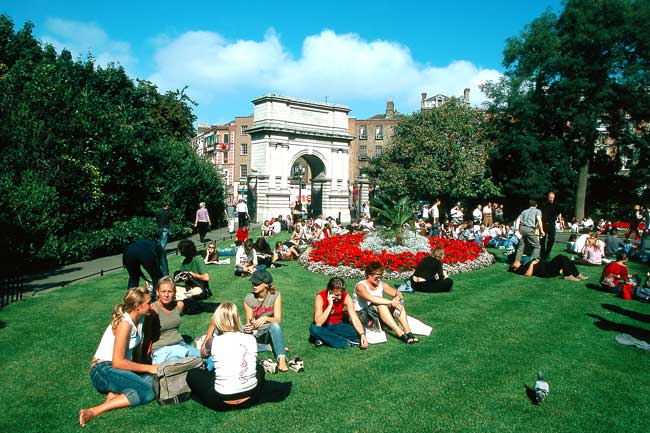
(76, 272)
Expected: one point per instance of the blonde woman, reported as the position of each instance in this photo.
(112, 372)
(429, 276)
(237, 380)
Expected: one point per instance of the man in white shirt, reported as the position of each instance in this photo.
(242, 213)
(477, 214)
(435, 212)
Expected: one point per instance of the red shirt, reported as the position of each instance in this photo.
(337, 313)
(613, 273)
(241, 235)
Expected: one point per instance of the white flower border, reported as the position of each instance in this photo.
(484, 260)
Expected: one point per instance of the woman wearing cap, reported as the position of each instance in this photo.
(237, 380)
(263, 308)
(331, 307)
(112, 372)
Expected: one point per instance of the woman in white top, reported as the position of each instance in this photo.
(237, 380)
(370, 304)
(112, 372)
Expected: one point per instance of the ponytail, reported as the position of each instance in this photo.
(132, 299)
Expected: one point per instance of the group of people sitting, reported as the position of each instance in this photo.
(232, 377)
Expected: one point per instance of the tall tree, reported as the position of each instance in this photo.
(437, 153)
(569, 80)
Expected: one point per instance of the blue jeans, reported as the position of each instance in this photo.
(276, 338)
(164, 233)
(136, 387)
(239, 271)
(336, 335)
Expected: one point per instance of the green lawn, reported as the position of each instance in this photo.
(492, 334)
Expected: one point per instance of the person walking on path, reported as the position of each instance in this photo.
(163, 217)
(230, 215)
(527, 224)
(550, 214)
(242, 213)
(202, 221)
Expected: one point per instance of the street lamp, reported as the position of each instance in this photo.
(298, 171)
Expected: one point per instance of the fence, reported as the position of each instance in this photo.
(11, 289)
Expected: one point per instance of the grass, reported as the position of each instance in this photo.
(492, 334)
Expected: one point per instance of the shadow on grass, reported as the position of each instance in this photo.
(198, 307)
(598, 287)
(530, 393)
(275, 392)
(645, 318)
(3, 324)
(608, 325)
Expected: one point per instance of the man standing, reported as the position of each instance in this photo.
(526, 227)
(477, 214)
(435, 212)
(163, 217)
(230, 215)
(550, 213)
(242, 213)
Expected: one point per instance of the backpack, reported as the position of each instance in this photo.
(170, 385)
(641, 294)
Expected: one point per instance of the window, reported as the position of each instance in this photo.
(225, 175)
(243, 171)
(225, 156)
(363, 152)
(378, 151)
(363, 132)
(226, 138)
(243, 149)
(243, 129)
(379, 132)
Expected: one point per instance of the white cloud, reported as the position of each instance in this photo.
(82, 38)
(344, 67)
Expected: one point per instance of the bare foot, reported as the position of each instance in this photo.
(85, 415)
(282, 364)
(583, 277)
(571, 278)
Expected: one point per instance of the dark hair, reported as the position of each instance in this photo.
(373, 267)
(261, 246)
(621, 255)
(533, 203)
(336, 283)
(187, 249)
(248, 245)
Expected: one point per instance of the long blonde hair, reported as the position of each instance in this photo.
(133, 297)
(226, 318)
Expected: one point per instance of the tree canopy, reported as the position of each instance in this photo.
(441, 152)
(573, 81)
(85, 146)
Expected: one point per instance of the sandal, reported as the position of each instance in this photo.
(270, 366)
(296, 364)
(406, 339)
(413, 337)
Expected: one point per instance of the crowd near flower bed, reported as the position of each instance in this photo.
(346, 257)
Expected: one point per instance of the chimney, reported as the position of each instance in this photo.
(424, 97)
(390, 108)
(466, 96)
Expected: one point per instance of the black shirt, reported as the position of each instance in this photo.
(163, 217)
(550, 212)
(430, 269)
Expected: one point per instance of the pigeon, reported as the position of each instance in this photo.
(541, 388)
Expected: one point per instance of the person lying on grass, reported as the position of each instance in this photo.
(263, 308)
(284, 251)
(559, 266)
(237, 380)
(331, 309)
(370, 304)
(112, 372)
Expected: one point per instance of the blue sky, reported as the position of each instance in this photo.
(356, 53)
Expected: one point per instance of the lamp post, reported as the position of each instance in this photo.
(298, 172)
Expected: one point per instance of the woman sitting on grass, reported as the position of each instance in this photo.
(331, 307)
(429, 276)
(168, 342)
(263, 307)
(615, 275)
(125, 383)
(237, 380)
(593, 252)
(284, 252)
(246, 260)
(559, 266)
(370, 304)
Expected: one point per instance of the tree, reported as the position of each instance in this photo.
(437, 153)
(569, 79)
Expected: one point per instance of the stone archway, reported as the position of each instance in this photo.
(287, 130)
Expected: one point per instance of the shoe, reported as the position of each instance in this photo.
(315, 341)
(270, 366)
(353, 343)
(296, 364)
(582, 277)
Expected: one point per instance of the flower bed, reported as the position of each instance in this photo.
(342, 256)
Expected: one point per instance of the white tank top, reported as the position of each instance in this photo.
(105, 349)
(362, 304)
